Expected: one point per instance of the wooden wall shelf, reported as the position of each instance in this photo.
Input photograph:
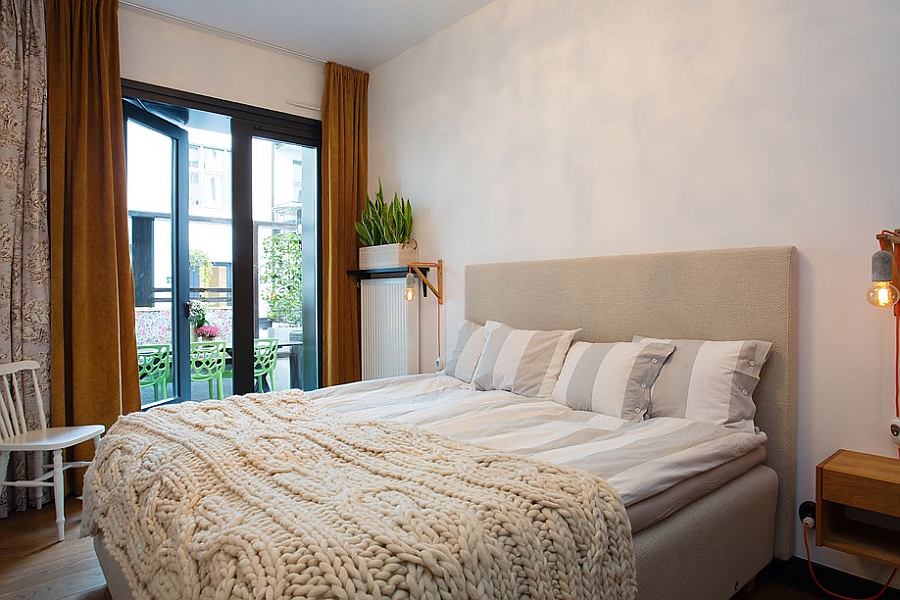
(383, 273)
(387, 274)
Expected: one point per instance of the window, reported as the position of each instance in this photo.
(247, 175)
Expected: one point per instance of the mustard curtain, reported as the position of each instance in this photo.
(344, 172)
(93, 352)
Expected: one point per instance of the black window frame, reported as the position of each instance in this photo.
(248, 122)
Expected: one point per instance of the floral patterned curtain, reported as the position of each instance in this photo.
(24, 238)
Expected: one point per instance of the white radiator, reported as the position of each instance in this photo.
(389, 329)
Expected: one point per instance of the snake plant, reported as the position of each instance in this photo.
(385, 223)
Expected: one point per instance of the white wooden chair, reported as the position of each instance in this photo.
(15, 436)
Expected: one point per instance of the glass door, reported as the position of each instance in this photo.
(223, 210)
(156, 154)
(285, 200)
(179, 165)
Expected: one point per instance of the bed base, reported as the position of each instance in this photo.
(713, 547)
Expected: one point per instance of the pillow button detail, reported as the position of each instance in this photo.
(637, 409)
(656, 360)
(643, 385)
(744, 392)
(752, 363)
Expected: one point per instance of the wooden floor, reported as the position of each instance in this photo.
(34, 565)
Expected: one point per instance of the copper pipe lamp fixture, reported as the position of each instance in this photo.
(885, 279)
(414, 270)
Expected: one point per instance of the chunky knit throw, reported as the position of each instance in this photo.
(266, 496)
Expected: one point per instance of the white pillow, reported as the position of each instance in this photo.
(464, 358)
(522, 361)
(612, 379)
(708, 380)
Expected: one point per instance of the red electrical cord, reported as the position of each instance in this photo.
(888, 245)
(821, 587)
(897, 366)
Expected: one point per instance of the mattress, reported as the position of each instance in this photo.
(657, 466)
(656, 508)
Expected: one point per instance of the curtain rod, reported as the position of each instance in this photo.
(221, 32)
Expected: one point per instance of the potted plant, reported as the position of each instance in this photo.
(207, 332)
(200, 264)
(197, 318)
(384, 233)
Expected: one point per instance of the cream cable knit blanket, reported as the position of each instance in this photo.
(266, 496)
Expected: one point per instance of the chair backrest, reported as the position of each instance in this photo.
(153, 362)
(265, 354)
(16, 380)
(207, 359)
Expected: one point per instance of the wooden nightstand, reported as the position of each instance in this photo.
(849, 487)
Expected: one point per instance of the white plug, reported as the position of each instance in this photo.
(808, 514)
(895, 431)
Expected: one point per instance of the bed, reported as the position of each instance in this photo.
(717, 543)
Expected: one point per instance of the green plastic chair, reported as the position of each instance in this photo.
(265, 356)
(153, 368)
(208, 364)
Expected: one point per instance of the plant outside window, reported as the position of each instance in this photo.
(282, 272)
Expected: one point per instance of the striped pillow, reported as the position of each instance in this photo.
(612, 379)
(521, 361)
(469, 344)
(709, 381)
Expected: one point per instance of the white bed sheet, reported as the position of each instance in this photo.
(639, 460)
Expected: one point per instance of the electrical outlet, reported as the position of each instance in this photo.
(808, 513)
(438, 363)
(895, 431)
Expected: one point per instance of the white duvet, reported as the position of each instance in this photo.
(638, 460)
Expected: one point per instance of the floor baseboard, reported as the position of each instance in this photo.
(795, 573)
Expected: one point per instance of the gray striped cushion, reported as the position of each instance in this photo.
(709, 381)
(521, 361)
(469, 345)
(612, 379)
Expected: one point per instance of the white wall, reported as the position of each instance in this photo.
(170, 54)
(540, 129)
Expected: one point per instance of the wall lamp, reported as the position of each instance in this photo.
(885, 279)
(410, 294)
(414, 267)
(884, 293)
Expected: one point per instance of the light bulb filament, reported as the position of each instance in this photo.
(883, 294)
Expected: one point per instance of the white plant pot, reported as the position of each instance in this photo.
(387, 256)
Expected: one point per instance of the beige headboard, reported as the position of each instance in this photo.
(730, 294)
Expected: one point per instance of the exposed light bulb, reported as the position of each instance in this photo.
(410, 293)
(883, 294)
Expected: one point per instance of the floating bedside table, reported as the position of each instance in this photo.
(849, 485)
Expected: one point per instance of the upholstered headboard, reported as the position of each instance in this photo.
(712, 294)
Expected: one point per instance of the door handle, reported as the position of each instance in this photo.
(187, 309)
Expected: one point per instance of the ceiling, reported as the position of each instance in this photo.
(357, 33)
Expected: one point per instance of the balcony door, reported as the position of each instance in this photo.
(156, 161)
(223, 213)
